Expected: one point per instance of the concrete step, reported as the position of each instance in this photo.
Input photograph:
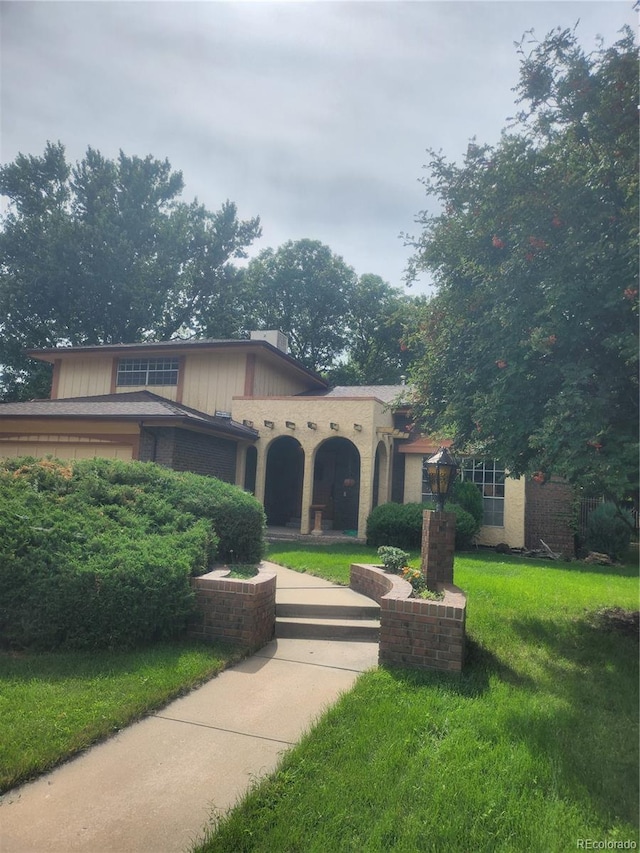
(362, 630)
(295, 609)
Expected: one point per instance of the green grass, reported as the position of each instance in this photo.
(54, 705)
(331, 562)
(534, 747)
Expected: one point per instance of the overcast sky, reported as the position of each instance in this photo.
(316, 116)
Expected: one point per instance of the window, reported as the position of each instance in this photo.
(147, 371)
(489, 476)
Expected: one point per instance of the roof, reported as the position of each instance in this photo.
(132, 405)
(390, 394)
(52, 353)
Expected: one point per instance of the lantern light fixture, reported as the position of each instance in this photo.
(441, 469)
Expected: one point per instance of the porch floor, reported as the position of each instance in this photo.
(290, 534)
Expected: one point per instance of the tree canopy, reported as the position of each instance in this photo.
(106, 252)
(530, 342)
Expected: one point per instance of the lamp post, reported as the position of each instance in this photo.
(441, 470)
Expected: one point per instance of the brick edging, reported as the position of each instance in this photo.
(414, 632)
(242, 612)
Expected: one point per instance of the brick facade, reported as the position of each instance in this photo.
(550, 516)
(185, 450)
(414, 632)
(438, 545)
(242, 612)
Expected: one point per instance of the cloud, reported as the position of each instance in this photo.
(315, 116)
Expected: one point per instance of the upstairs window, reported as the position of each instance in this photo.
(147, 371)
(489, 476)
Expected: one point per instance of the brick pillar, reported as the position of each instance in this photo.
(438, 544)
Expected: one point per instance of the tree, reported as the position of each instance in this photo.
(378, 318)
(531, 339)
(105, 252)
(303, 289)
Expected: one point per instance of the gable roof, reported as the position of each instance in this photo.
(132, 405)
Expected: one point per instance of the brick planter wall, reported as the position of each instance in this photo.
(237, 611)
(414, 632)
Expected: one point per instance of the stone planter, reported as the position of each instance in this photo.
(414, 632)
(239, 611)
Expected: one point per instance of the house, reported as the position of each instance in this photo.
(249, 413)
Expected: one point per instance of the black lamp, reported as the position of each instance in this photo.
(441, 470)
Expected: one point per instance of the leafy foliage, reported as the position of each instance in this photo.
(105, 252)
(531, 339)
(609, 531)
(469, 497)
(99, 554)
(393, 559)
(400, 525)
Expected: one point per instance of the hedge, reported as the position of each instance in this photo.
(400, 525)
(99, 553)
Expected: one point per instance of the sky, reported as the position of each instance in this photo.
(315, 116)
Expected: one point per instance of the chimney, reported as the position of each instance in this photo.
(272, 336)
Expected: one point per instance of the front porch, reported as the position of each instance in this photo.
(293, 534)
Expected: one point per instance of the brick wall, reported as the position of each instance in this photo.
(242, 612)
(549, 515)
(414, 632)
(184, 450)
(438, 546)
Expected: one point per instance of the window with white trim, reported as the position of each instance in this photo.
(147, 371)
(489, 476)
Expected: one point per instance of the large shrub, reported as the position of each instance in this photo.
(609, 530)
(99, 553)
(400, 525)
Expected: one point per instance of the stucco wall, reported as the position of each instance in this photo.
(371, 415)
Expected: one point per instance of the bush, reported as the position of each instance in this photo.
(609, 531)
(393, 559)
(466, 526)
(99, 553)
(467, 495)
(400, 525)
(394, 524)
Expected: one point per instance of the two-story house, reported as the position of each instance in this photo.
(249, 413)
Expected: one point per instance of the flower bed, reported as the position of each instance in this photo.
(414, 632)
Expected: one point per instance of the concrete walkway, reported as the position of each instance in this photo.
(152, 787)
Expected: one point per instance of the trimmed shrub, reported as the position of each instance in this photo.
(609, 531)
(99, 553)
(467, 495)
(394, 524)
(400, 525)
(466, 526)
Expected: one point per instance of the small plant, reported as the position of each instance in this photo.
(393, 559)
(419, 584)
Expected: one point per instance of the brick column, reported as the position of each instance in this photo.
(438, 544)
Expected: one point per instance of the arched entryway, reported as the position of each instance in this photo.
(283, 482)
(336, 483)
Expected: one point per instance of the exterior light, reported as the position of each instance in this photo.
(269, 424)
(441, 469)
(334, 425)
(290, 424)
(312, 425)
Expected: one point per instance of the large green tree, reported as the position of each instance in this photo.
(531, 339)
(378, 318)
(105, 251)
(303, 289)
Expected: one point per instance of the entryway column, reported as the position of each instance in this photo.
(261, 474)
(307, 491)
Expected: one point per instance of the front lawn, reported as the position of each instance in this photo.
(53, 705)
(534, 748)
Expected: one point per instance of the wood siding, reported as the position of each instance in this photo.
(84, 377)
